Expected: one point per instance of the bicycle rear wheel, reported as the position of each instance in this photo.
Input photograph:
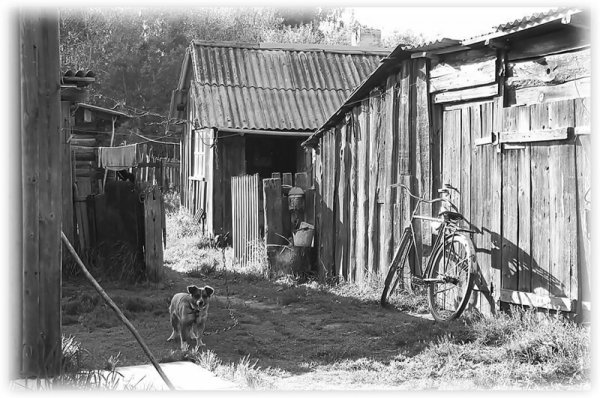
(452, 267)
(399, 276)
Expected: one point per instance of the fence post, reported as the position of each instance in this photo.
(272, 209)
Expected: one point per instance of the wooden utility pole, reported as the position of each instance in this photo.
(40, 288)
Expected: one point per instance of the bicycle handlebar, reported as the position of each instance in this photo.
(436, 200)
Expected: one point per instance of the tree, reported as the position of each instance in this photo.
(136, 54)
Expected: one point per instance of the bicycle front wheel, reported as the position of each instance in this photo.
(451, 276)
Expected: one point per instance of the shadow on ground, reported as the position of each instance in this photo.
(283, 326)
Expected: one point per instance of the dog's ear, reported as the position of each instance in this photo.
(192, 289)
(209, 290)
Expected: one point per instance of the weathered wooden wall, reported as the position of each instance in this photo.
(38, 321)
(382, 141)
(509, 128)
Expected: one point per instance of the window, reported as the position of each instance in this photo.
(199, 150)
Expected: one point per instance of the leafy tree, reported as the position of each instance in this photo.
(137, 53)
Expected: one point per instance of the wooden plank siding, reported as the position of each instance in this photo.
(522, 172)
(582, 277)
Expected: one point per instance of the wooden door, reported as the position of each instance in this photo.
(523, 188)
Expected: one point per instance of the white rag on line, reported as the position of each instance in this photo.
(118, 157)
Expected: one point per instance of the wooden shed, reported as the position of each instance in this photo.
(505, 118)
(246, 108)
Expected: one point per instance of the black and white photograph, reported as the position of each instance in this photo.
(306, 197)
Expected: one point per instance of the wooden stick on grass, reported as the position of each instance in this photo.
(117, 311)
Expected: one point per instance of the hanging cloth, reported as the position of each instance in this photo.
(118, 157)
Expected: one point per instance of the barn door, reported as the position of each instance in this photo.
(517, 172)
(471, 164)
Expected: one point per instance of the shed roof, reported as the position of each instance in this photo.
(390, 63)
(99, 109)
(275, 86)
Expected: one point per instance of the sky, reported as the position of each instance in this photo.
(437, 22)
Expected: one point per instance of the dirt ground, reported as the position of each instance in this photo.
(286, 327)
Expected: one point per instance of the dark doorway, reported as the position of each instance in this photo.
(268, 154)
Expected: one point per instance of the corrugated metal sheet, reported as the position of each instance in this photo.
(524, 23)
(273, 89)
(433, 45)
(535, 20)
(439, 45)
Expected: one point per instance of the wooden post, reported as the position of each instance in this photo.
(582, 279)
(272, 209)
(341, 208)
(286, 185)
(112, 140)
(423, 136)
(39, 322)
(67, 178)
(361, 116)
(153, 227)
(301, 181)
(286, 179)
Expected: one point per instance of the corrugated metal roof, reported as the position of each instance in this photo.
(535, 20)
(79, 78)
(524, 23)
(274, 87)
(440, 45)
(433, 45)
(103, 110)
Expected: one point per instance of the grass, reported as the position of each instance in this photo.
(517, 350)
(520, 350)
(245, 373)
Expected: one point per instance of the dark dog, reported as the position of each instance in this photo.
(188, 314)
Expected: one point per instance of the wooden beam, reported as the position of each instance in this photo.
(559, 42)
(483, 140)
(564, 304)
(550, 70)
(579, 88)
(461, 72)
(535, 135)
(486, 91)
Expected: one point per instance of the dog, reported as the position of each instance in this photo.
(188, 313)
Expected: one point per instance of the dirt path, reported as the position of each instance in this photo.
(291, 329)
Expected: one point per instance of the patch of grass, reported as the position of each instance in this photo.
(518, 350)
(180, 224)
(72, 354)
(244, 373)
(172, 201)
(138, 304)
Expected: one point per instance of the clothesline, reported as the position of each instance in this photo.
(124, 156)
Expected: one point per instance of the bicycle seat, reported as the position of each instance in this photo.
(451, 215)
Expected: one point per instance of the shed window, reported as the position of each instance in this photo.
(199, 153)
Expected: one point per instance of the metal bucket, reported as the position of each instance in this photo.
(304, 235)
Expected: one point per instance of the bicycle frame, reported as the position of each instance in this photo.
(446, 228)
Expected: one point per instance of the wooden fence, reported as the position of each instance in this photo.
(195, 199)
(126, 220)
(261, 214)
(247, 216)
(155, 232)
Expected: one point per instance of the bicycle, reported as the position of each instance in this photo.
(450, 270)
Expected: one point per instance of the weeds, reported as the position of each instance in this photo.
(245, 373)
